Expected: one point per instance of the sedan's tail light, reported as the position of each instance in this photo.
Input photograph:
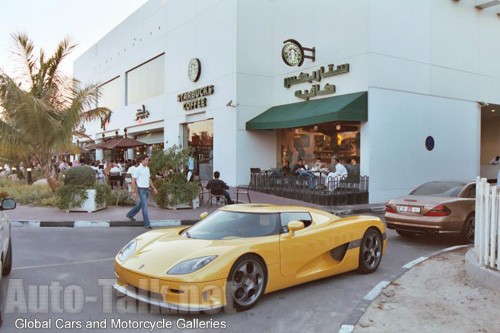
(439, 210)
(389, 209)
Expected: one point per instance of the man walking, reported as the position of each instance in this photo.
(141, 185)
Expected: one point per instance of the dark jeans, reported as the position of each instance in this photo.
(310, 176)
(228, 198)
(142, 204)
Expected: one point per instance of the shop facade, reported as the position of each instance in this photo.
(250, 84)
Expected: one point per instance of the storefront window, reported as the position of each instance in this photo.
(200, 136)
(323, 141)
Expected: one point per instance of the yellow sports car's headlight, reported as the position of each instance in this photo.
(127, 250)
(190, 265)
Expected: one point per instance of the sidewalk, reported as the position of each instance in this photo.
(115, 215)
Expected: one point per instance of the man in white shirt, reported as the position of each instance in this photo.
(115, 169)
(141, 184)
(334, 178)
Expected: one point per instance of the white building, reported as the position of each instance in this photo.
(422, 71)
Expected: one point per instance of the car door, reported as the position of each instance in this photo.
(297, 253)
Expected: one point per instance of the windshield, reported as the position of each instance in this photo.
(442, 189)
(228, 225)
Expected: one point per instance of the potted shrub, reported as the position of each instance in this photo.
(81, 192)
(174, 191)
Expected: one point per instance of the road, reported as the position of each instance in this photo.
(65, 274)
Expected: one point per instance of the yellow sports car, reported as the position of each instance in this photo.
(240, 252)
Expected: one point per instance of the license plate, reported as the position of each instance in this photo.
(409, 209)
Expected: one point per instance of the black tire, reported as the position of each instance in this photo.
(468, 229)
(7, 264)
(405, 233)
(370, 251)
(246, 283)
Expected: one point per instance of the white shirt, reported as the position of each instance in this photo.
(115, 169)
(340, 170)
(131, 169)
(141, 175)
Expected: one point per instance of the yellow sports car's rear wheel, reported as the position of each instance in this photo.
(246, 282)
(370, 252)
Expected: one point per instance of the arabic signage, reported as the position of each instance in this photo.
(316, 76)
(195, 99)
(141, 113)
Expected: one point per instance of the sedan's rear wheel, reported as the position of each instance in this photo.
(370, 252)
(405, 233)
(246, 282)
(469, 228)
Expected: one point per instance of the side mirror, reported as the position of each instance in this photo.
(203, 215)
(8, 204)
(294, 226)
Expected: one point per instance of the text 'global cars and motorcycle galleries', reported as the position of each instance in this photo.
(117, 323)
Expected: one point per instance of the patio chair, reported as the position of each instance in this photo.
(218, 195)
(244, 189)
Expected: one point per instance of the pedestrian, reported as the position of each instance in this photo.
(141, 186)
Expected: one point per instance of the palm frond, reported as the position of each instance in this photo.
(23, 48)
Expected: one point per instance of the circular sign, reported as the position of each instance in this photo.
(194, 69)
(429, 143)
(292, 53)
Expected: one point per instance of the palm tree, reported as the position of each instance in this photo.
(42, 108)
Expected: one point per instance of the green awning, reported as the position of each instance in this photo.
(350, 107)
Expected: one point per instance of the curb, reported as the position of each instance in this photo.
(99, 224)
(483, 276)
(353, 317)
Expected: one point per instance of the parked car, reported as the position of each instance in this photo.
(5, 244)
(435, 207)
(240, 252)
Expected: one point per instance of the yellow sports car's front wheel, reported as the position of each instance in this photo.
(246, 282)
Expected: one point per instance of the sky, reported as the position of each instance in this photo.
(47, 22)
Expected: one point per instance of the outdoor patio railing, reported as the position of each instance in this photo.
(320, 189)
(487, 228)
